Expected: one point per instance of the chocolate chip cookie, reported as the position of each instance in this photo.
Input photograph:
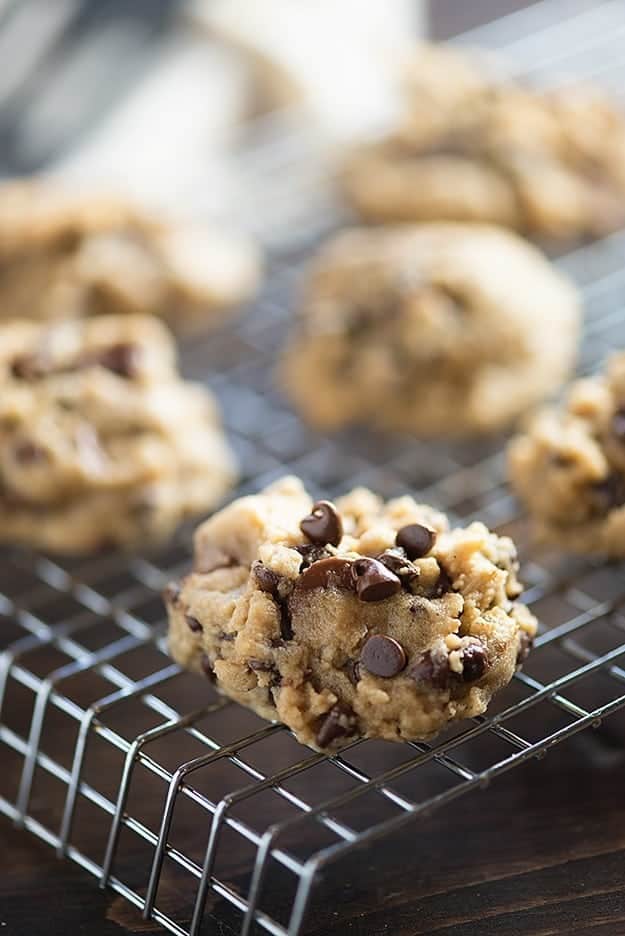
(569, 466)
(101, 442)
(436, 329)
(350, 620)
(67, 255)
(473, 147)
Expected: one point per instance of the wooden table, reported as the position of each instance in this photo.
(541, 852)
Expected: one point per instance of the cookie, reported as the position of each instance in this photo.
(101, 442)
(474, 147)
(568, 468)
(67, 255)
(363, 619)
(435, 330)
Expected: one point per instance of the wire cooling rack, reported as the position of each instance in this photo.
(150, 781)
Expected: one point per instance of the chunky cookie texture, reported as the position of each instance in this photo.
(67, 255)
(474, 147)
(569, 466)
(438, 329)
(349, 620)
(101, 442)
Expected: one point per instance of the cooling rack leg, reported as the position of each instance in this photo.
(34, 741)
(209, 861)
(72, 792)
(260, 867)
(300, 905)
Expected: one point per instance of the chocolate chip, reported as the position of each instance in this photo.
(323, 525)
(171, 593)
(122, 359)
(610, 492)
(383, 656)
(266, 579)
(28, 453)
(416, 539)
(207, 668)
(352, 671)
(193, 623)
(526, 642)
(431, 668)
(618, 425)
(30, 366)
(373, 581)
(395, 560)
(286, 625)
(311, 553)
(326, 573)
(225, 637)
(444, 583)
(339, 722)
(474, 662)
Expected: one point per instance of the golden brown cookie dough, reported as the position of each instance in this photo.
(360, 619)
(438, 329)
(68, 255)
(474, 147)
(101, 442)
(569, 467)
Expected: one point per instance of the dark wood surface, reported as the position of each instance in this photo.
(541, 852)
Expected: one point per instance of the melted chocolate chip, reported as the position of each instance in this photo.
(373, 581)
(352, 671)
(193, 623)
(266, 579)
(339, 722)
(323, 525)
(383, 656)
(28, 453)
(444, 583)
(326, 573)
(225, 637)
(207, 668)
(618, 425)
(395, 560)
(525, 645)
(311, 553)
(474, 662)
(122, 359)
(270, 582)
(432, 668)
(416, 539)
(30, 366)
(171, 593)
(610, 493)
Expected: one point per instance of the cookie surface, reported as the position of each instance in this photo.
(360, 619)
(569, 467)
(437, 329)
(68, 255)
(473, 147)
(101, 442)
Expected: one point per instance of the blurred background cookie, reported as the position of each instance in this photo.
(472, 146)
(101, 442)
(435, 330)
(66, 254)
(569, 467)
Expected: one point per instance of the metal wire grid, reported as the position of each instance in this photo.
(99, 731)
